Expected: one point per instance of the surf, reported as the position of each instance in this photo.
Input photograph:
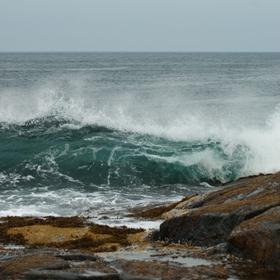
(129, 144)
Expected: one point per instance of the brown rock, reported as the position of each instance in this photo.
(68, 233)
(151, 212)
(56, 264)
(64, 275)
(20, 265)
(164, 271)
(210, 218)
(259, 238)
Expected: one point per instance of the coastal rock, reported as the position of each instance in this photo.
(158, 212)
(16, 267)
(67, 233)
(242, 217)
(78, 257)
(56, 264)
(259, 238)
(64, 275)
(210, 218)
(154, 270)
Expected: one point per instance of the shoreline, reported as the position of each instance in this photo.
(231, 232)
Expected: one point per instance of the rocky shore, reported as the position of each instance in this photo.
(232, 232)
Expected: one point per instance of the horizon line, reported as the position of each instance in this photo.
(146, 51)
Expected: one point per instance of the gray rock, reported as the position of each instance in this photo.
(78, 257)
(66, 275)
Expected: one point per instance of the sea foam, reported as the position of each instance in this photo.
(174, 117)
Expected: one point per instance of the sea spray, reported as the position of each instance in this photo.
(79, 129)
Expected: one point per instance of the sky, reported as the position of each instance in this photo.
(139, 25)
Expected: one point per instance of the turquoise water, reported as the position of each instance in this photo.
(97, 132)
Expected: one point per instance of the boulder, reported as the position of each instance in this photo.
(259, 238)
(210, 218)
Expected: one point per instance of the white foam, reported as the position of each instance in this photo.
(104, 206)
(172, 116)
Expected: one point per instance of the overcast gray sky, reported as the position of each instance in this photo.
(139, 25)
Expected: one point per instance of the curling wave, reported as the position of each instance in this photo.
(53, 138)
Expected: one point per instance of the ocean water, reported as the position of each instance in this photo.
(96, 133)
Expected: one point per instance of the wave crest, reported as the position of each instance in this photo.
(151, 139)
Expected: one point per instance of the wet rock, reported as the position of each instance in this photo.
(156, 212)
(67, 233)
(209, 219)
(165, 271)
(124, 276)
(19, 265)
(48, 274)
(243, 216)
(64, 275)
(259, 238)
(52, 264)
(78, 257)
(185, 206)
(203, 230)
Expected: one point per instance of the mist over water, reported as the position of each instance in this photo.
(77, 130)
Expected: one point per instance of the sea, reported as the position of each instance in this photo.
(96, 134)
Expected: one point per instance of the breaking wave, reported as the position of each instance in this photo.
(58, 135)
